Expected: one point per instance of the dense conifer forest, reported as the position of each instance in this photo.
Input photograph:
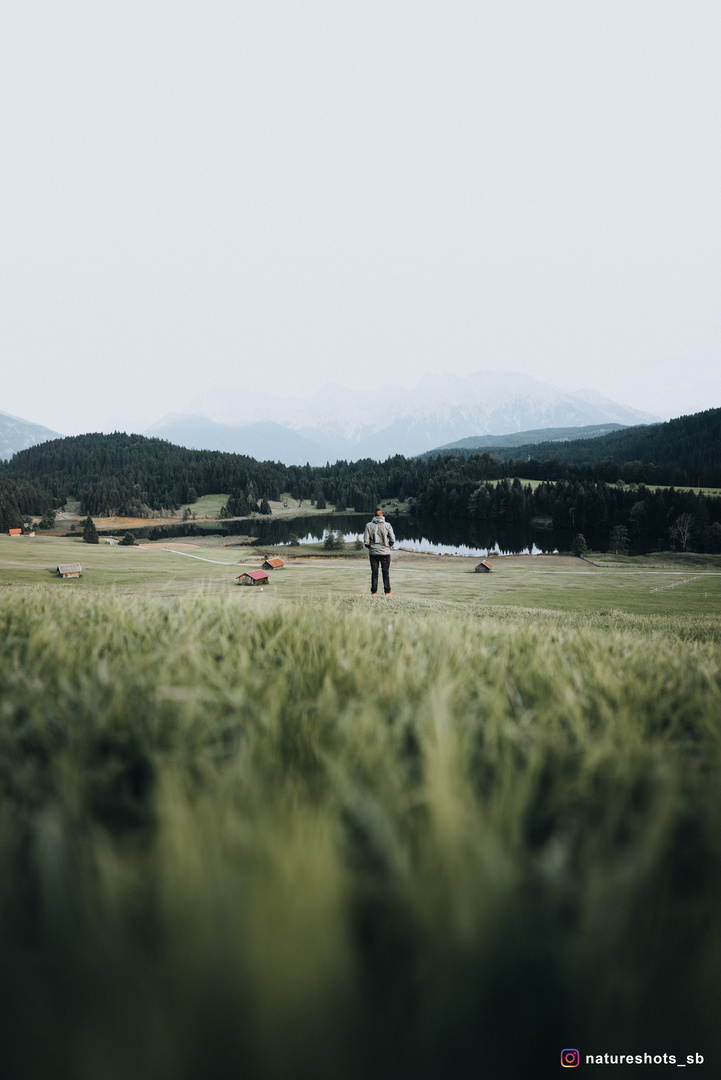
(686, 450)
(132, 475)
(647, 519)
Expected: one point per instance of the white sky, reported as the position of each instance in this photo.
(216, 193)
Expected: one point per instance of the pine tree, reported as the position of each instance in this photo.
(579, 546)
(9, 516)
(618, 544)
(334, 541)
(90, 533)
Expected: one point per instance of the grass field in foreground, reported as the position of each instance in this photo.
(302, 841)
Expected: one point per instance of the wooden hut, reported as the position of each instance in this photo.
(15, 532)
(252, 577)
(273, 564)
(71, 569)
(484, 567)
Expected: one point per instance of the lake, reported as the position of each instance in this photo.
(438, 535)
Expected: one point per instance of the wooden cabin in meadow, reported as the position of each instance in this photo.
(484, 567)
(15, 532)
(71, 569)
(273, 564)
(252, 577)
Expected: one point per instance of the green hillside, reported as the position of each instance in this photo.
(684, 450)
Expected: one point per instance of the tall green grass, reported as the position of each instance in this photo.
(314, 842)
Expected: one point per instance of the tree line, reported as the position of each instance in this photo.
(683, 451)
(647, 518)
(135, 476)
(132, 476)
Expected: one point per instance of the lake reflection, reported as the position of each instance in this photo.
(439, 536)
(430, 548)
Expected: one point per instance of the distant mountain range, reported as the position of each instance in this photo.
(263, 440)
(17, 434)
(523, 438)
(337, 423)
(485, 409)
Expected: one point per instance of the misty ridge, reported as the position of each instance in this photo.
(338, 423)
(17, 434)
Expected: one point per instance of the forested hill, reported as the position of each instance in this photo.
(686, 450)
(133, 475)
(128, 474)
(479, 443)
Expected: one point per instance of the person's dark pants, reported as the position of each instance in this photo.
(384, 561)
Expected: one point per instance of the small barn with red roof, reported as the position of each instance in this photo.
(273, 564)
(484, 567)
(252, 577)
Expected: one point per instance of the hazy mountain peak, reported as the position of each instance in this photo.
(17, 434)
(337, 422)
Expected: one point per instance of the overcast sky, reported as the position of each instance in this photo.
(294, 191)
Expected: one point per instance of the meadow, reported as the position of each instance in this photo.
(208, 505)
(300, 833)
(657, 585)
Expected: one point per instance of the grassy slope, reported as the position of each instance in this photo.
(300, 840)
(208, 505)
(713, 491)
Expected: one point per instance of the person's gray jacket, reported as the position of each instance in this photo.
(379, 536)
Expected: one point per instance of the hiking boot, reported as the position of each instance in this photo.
(388, 593)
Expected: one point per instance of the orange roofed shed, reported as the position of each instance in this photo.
(15, 532)
(484, 567)
(273, 564)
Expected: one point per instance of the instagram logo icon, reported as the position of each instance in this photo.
(570, 1059)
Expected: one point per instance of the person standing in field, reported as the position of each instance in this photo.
(379, 538)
